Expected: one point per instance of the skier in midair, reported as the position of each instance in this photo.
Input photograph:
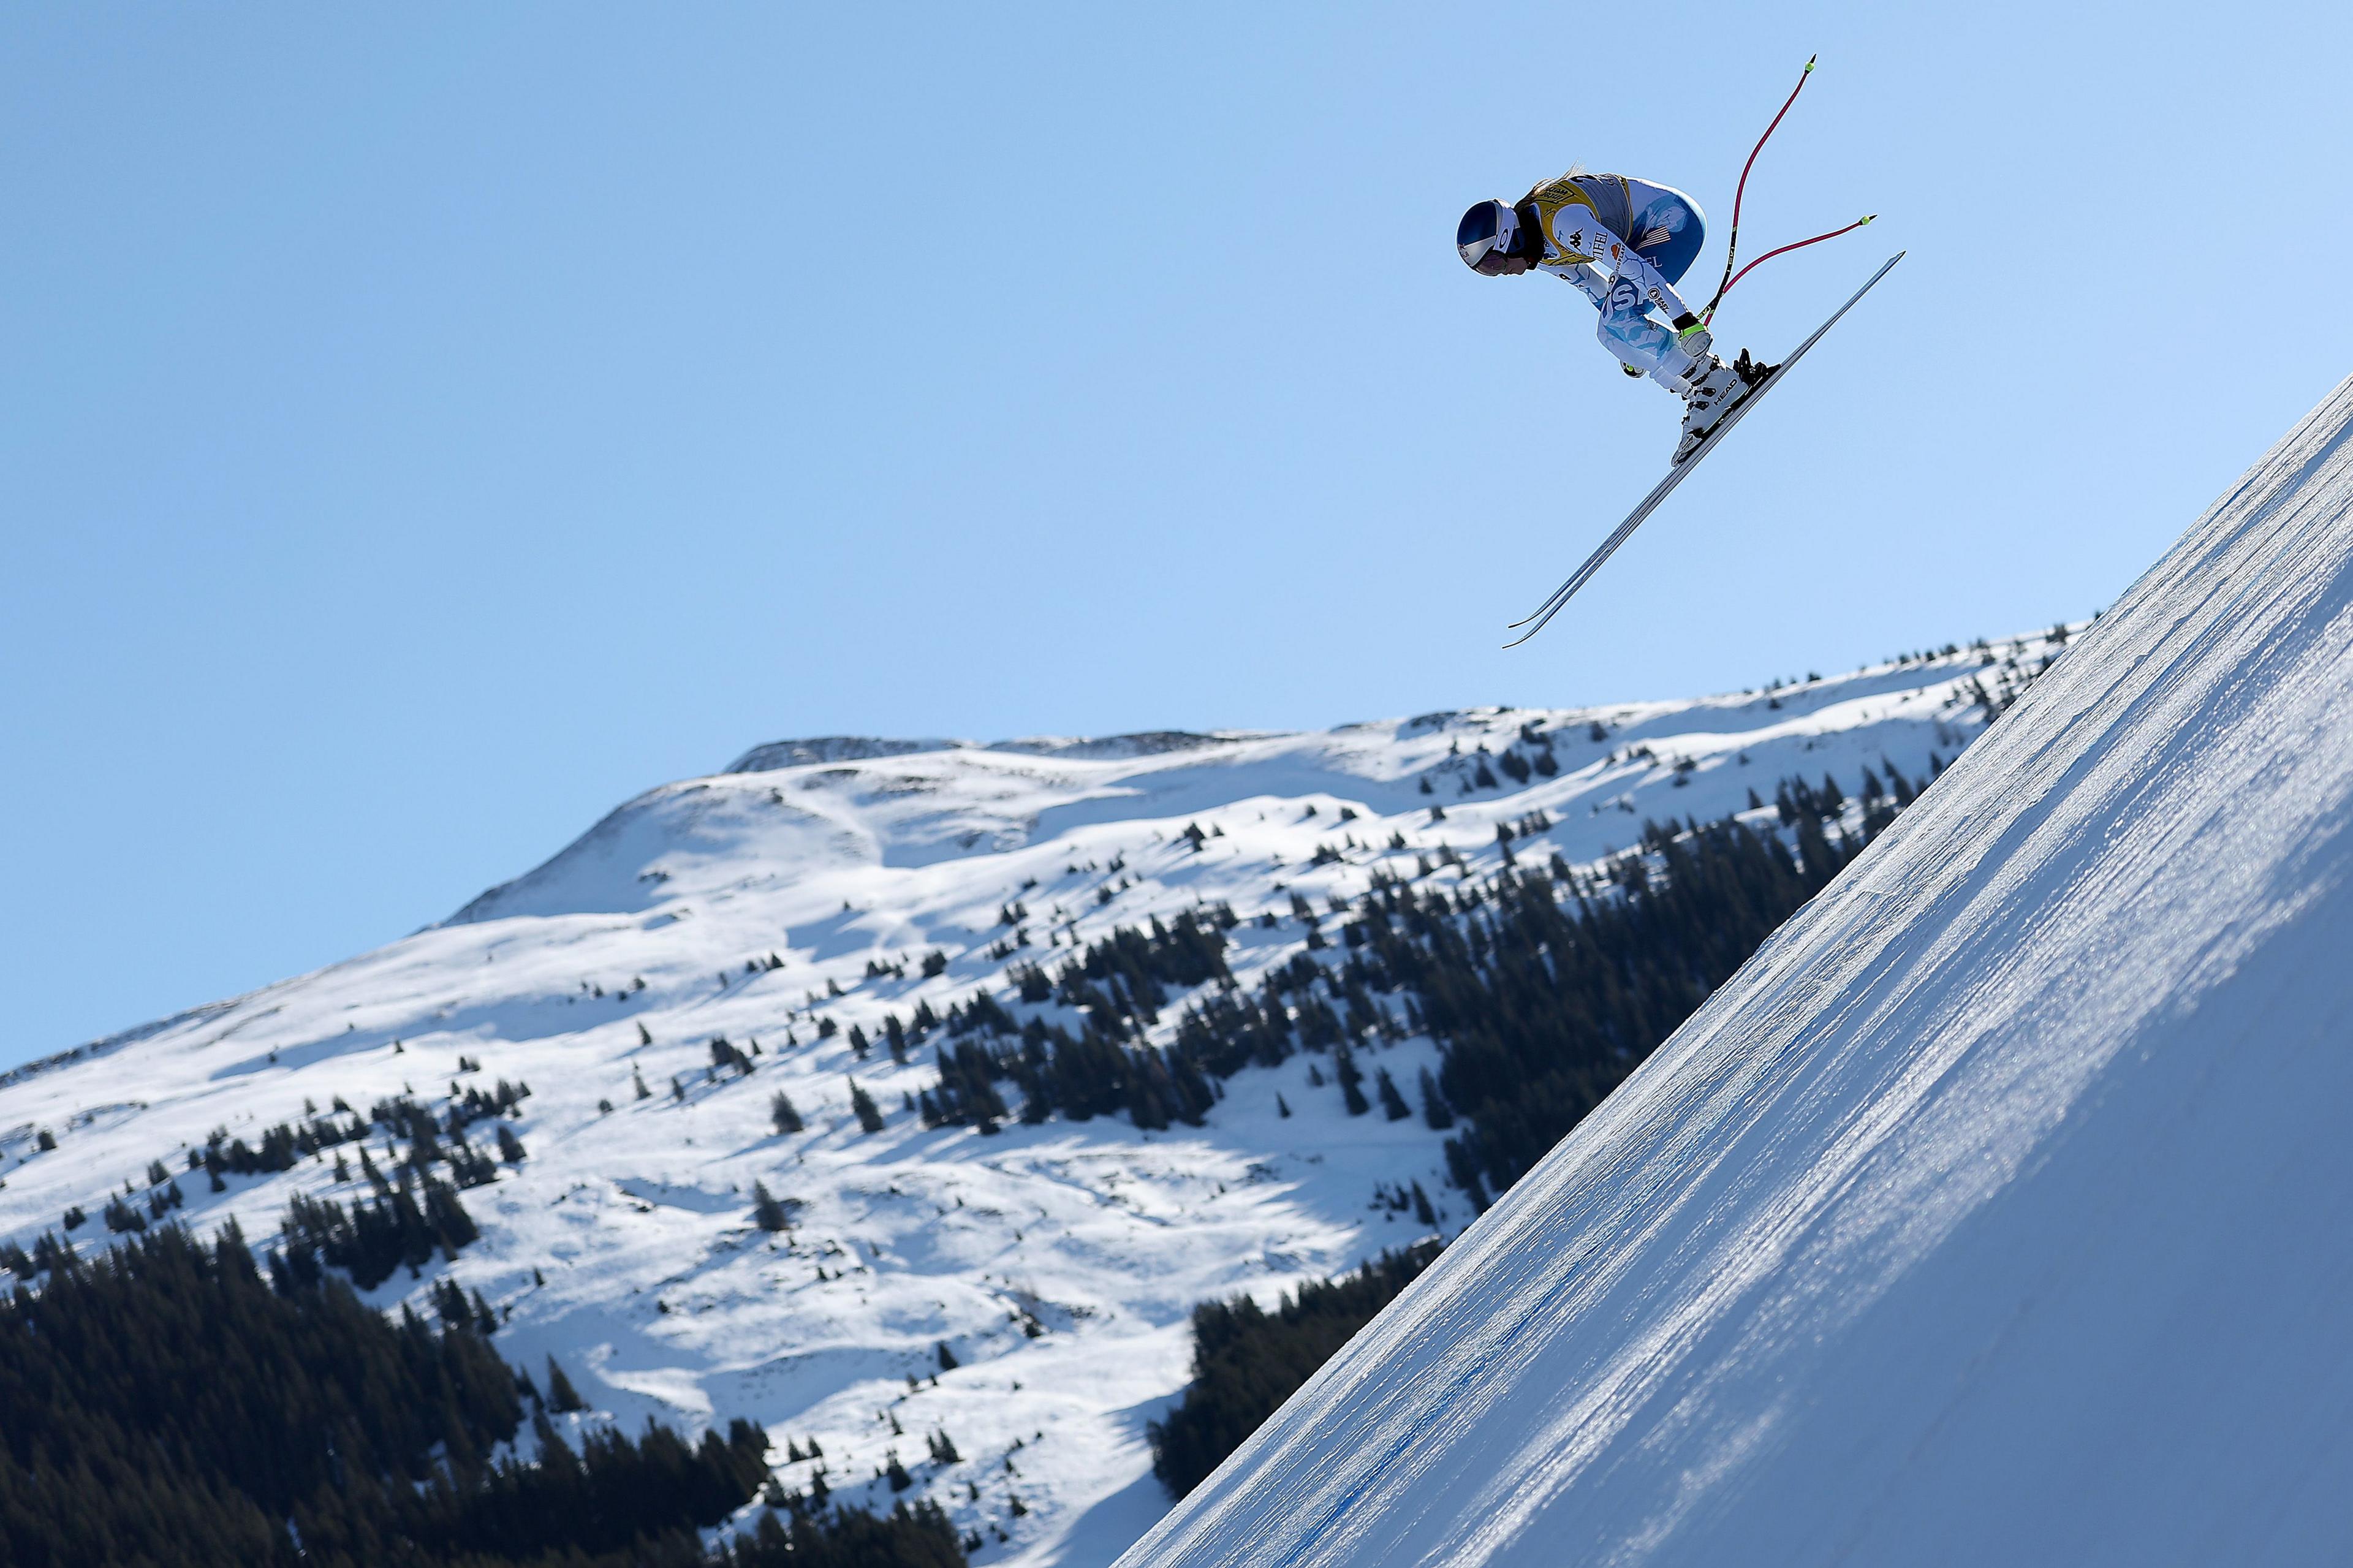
(1625, 243)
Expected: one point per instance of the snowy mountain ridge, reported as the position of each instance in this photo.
(792, 905)
(865, 748)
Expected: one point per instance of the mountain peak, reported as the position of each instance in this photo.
(835, 749)
(831, 748)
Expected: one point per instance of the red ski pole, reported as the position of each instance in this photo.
(1784, 250)
(1732, 243)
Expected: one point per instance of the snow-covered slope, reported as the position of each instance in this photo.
(2000, 1210)
(1056, 1262)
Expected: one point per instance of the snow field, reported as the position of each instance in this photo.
(661, 1297)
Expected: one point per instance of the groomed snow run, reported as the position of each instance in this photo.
(2000, 1210)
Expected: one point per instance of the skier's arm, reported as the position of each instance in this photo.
(1587, 235)
(1656, 290)
(1590, 280)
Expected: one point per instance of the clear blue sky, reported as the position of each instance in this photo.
(425, 426)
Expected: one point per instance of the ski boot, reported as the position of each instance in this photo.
(1711, 390)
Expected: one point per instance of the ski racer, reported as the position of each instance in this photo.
(1625, 243)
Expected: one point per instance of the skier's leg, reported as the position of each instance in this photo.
(1628, 331)
(1666, 227)
(1712, 390)
(1622, 332)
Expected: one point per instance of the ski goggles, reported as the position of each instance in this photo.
(1487, 236)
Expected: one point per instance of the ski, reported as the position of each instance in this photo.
(1561, 595)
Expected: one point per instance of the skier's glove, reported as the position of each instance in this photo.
(1692, 337)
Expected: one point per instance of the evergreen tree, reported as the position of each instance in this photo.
(1246, 1361)
(1352, 1080)
(132, 1434)
(562, 1397)
(911, 1535)
(1435, 1112)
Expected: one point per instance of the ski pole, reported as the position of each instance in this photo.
(1799, 245)
(1732, 243)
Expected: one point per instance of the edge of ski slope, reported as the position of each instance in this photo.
(1993, 1212)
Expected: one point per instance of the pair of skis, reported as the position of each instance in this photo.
(1545, 612)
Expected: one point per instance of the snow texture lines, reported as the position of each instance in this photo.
(1994, 1212)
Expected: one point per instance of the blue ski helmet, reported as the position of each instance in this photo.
(1492, 241)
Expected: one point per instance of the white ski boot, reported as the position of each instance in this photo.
(1711, 390)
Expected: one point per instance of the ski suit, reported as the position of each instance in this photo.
(1647, 235)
